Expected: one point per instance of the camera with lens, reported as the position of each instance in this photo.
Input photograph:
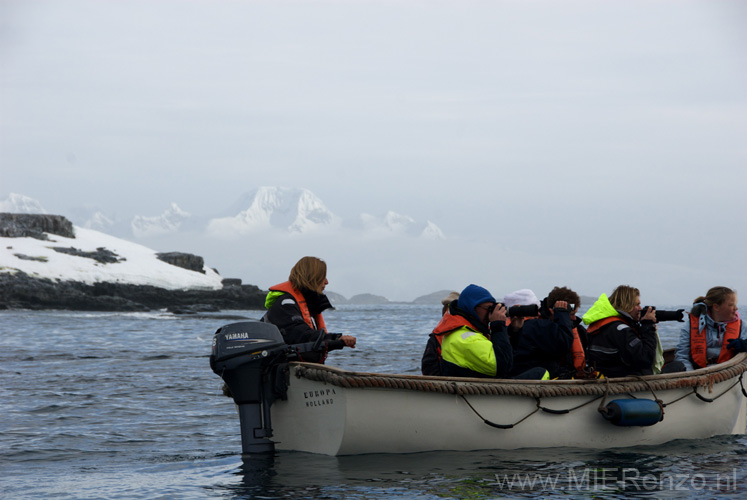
(523, 311)
(518, 311)
(665, 315)
(545, 309)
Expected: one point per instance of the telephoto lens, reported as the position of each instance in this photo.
(677, 315)
(661, 315)
(523, 311)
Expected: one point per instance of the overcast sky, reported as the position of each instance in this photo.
(588, 143)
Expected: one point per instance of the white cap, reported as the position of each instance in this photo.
(524, 297)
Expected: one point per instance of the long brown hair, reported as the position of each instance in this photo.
(308, 274)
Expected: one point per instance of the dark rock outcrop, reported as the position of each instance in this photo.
(34, 226)
(103, 255)
(30, 257)
(183, 260)
(20, 291)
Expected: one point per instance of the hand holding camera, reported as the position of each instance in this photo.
(497, 312)
(649, 315)
(660, 315)
(561, 304)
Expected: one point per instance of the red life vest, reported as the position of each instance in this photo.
(698, 345)
(301, 301)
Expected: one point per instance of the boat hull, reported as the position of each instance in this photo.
(333, 412)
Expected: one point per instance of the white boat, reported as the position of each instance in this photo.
(331, 411)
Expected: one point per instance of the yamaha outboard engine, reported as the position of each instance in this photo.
(249, 356)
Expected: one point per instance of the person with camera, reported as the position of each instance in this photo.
(430, 364)
(620, 345)
(714, 332)
(473, 339)
(296, 306)
(547, 341)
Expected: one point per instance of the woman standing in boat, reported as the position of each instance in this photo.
(618, 344)
(296, 306)
(715, 332)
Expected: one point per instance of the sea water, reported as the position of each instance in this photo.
(115, 405)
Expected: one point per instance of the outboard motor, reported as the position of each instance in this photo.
(249, 356)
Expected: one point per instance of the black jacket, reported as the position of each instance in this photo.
(286, 315)
(431, 362)
(544, 343)
(622, 347)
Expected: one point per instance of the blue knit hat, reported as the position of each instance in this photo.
(473, 296)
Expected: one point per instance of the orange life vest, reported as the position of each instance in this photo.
(577, 352)
(317, 322)
(597, 325)
(450, 322)
(698, 345)
(447, 324)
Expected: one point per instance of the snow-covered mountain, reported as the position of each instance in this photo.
(394, 224)
(432, 232)
(289, 209)
(84, 216)
(20, 204)
(283, 210)
(167, 222)
(99, 221)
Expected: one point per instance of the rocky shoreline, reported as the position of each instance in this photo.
(19, 290)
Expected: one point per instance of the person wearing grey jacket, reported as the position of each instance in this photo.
(714, 332)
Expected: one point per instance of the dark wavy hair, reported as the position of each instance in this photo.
(565, 294)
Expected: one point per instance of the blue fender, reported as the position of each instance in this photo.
(633, 412)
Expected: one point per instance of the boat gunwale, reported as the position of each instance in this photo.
(703, 377)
